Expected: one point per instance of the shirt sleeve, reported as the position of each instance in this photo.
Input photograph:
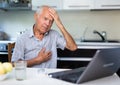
(18, 51)
(61, 42)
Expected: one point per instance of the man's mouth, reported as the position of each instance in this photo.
(45, 28)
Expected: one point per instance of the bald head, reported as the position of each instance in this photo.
(43, 8)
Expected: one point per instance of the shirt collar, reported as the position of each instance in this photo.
(32, 32)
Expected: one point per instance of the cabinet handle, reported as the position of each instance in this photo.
(54, 6)
(74, 59)
(51, 6)
(76, 6)
(110, 5)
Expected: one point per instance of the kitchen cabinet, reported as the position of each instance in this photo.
(74, 59)
(106, 4)
(4, 50)
(3, 57)
(77, 4)
(57, 4)
(8, 5)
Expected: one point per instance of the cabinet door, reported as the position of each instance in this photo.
(107, 4)
(57, 4)
(77, 4)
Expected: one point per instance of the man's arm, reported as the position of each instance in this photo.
(70, 43)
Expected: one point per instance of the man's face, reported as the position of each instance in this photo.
(44, 21)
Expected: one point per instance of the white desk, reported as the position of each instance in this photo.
(33, 78)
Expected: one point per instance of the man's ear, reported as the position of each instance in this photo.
(35, 16)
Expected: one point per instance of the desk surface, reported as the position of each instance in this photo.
(35, 76)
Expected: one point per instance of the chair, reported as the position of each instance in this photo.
(10, 49)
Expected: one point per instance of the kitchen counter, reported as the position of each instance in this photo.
(78, 43)
(6, 41)
(81, 45)
(97, 45)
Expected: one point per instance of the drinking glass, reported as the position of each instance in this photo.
(20, 70)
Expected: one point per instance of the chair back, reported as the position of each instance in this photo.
(10, 50)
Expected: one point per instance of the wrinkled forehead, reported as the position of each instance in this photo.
(45, 12)
(45, 8)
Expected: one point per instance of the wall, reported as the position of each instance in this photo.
(12, 22)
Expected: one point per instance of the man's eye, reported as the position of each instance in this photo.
(45, 18)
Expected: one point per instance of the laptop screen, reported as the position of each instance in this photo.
(105, 62)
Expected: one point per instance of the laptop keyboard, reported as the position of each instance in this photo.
(69, 75)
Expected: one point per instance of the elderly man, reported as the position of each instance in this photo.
(39, 45)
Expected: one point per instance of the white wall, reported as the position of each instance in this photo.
(75, 22)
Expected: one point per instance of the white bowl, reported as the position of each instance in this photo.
(4, 76)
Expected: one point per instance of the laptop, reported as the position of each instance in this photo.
(104, 63)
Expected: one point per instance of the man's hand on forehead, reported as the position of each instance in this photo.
(53, 13)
